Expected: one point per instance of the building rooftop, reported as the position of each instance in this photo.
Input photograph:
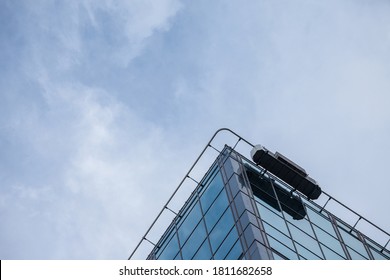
(321, 201)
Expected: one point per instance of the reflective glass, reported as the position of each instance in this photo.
(216, 209)
(352, 242)
(302, 224)
(330, 254)
(328, 240)
(165, 241)
(211, 192)
(305, 240)
(276, 234)
(194, 242)
(272, 218)
(269, 208)
(209, 176)
(235, 252)
(355, 255)
(204, 252)
(305, 254)
(226, 245)
(189, 222)
(221, 229)
(282, 249)
(321, 221)
(171, 249)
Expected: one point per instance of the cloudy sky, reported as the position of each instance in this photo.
(105, 105)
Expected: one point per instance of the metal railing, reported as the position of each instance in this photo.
(239, 140)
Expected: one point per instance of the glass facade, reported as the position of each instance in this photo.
(204, 228)
(241, 211)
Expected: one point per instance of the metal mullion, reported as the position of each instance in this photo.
(365, 245)
(340, 238)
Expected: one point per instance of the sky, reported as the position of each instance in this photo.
(105, 105)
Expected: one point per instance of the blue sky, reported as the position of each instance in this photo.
(104, 106)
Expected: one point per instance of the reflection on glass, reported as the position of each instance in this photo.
(226, 245)
(211, 192)
(355, 246)
(306, 254)
(194, 242)
(221, 229)
(276, 234)
(216, 210)
(187, 225)
(282, 249)
(235, 252)
(321, 221)
(170, 250)
(330, 254)
(329, 241)
(204, 252)
(269, 216)
(302, 224)
(305, 240)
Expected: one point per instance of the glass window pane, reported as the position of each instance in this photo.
(227, 244)
(235, 253)
(210, 175)
(272, 218)
(269, 208)
(187, 225)
(321, 221)
(282, 249)
(352, 241)
(170, 251)
(276, 234)
(355, 255)
(330, 254)
(221, 229)
(165, 241)
(328, 240)
(211, 192)
(194, 241)
(204, 252)
(305, 240)
(216, 210)
(302, 224)
(306, 254)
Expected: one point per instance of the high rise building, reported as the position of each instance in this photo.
(256, 204)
